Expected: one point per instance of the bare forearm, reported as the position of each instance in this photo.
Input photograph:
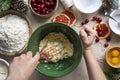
(94, 70)
(15, 77)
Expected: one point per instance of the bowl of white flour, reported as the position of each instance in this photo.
(4, 66)
(15, 30)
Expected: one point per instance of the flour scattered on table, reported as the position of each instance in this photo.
(14, 33)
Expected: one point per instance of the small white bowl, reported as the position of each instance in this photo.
(88, 6)
(114, 26)
(5, 64)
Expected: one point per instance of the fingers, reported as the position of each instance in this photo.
(89, 30)
(29, 54)
(83, 35)
(36, 57)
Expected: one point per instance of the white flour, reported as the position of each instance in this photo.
(14, 33)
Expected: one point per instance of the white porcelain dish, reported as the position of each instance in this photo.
(114, 26)
(87, 6)
(4, 69)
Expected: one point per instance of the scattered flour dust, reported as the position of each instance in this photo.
(14, 33)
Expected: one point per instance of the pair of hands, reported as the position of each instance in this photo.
(23, 66)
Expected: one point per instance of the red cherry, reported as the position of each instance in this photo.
(99, 19)
(34, 4)
(106, 44)
(47, 3)
(82, 23)
(97, 39)
(39, 6)
(94, 18)
(33, 1)
(35, 9)
(99, 29)
(86, 21)
(108, 38)
(42, 6)
(100, 33)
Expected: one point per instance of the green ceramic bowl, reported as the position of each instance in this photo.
(62, 67)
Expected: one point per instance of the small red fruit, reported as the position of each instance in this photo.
(100, 33)
(108, 38)
(86, 21)
(106, 44)
(94, 18)
(97, 39)
(33, 1)
(82, 23)
(99, 19)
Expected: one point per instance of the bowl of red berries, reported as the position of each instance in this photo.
(43, 8)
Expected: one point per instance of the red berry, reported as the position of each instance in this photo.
(33, 1)
(94, 18)
(100, 33)
(86, 21)
(106, 44)
(34, 4)
(108, 38)
(39, 6)
(47, 3)
(99, 29)
(35, 9)
(82, 23)
(99, 19)
(97, 39)
(42, 6)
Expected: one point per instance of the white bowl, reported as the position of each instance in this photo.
(4, 72)
(114, 26)
(87, 6)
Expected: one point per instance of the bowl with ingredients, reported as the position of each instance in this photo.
(60, 49)
(87, 6)
(15, 30)
(4, 66)
(113, 57)
(44, 8)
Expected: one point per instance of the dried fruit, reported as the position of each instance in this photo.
(62, 18)
(71, 16)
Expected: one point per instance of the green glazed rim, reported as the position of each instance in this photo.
(71, 66)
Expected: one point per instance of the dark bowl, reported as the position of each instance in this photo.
(62, 67)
